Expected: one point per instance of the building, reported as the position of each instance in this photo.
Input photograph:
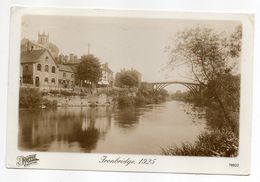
(107, 76)
(43, 39)
(38, 68)
(66, 76)
(41, 43)
(68, 59)
(61, 58)
(42, 66)
(26, 45)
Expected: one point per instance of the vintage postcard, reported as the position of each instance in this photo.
(125, 90)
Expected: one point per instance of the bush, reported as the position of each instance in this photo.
(112, 92)
(54, 92)
(216, 120)
(67, 93)
(221, 143)
(50, 104)
(29, 98)
(125, 101)
(139, 100)
(83, 94)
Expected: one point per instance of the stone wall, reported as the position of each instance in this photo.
(64, 101)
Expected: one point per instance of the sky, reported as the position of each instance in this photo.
(121, 42)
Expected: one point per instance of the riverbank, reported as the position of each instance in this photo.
(34, 98)
(221, 139)
(142, 96)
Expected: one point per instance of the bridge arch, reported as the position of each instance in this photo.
(195, 88)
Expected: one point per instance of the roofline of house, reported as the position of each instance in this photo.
(66, 71)
(44, 48)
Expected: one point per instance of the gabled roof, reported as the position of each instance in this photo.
(74, 67)
(66, 68)
(31, 56)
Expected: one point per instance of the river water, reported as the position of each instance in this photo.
(142, 130)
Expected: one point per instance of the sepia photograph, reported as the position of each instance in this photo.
(121, 85)
(133, 86)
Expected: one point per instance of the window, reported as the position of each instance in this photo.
(46, 68)
(39, 67)
(72, 75)
(46, 58)
(64, 75)
(26, 68)
(46, 80)
(53, 69)
(28, 79)
(53, 80)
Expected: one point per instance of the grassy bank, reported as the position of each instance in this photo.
(220, 140)
(222, 115)
(32, 98)
(220, 143)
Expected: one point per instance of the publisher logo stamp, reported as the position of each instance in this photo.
(26, 161)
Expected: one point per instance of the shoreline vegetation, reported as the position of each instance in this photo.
(214, 60)
(128, 90)
(34, 98)
(222, 137)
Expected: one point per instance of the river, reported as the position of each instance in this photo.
(142, 130)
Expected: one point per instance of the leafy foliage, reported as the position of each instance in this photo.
(212, 59)
(89, 69)
(29, 98)
(33, 98)
(221, 143)
(205, 52)
(127, 78)
(49, 104)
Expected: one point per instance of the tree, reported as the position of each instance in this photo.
(210, 57)
(127, 78)
(89, 69)
(30, 98)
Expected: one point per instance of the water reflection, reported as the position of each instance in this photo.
(73, 128)
(143, 130)
(127, 117)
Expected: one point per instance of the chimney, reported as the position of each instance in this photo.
(71, 57)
